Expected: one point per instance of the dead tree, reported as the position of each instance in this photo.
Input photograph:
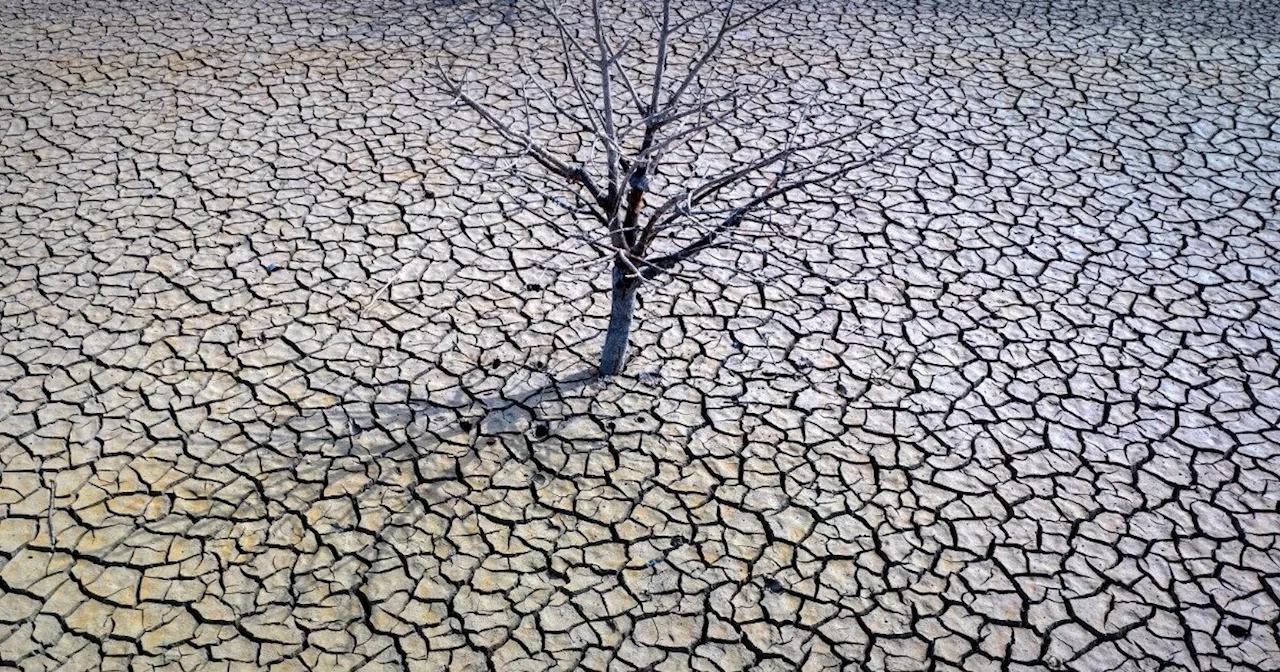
(637, 95)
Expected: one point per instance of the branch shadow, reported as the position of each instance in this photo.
(423, 427)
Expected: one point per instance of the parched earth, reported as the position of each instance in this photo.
(283, 384)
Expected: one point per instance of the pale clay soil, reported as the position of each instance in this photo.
(268, 343)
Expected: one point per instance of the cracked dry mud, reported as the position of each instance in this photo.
(263, 332)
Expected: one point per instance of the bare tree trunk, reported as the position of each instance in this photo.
(614, 355)
(685, 110)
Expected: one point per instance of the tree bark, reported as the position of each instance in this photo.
(623, 293)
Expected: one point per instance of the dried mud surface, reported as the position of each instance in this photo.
(274, 363)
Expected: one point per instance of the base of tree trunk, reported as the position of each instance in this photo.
(623, 293)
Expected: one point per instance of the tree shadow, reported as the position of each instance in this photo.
(430, 426)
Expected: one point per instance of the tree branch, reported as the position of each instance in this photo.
(709, 239)
(530, 147)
